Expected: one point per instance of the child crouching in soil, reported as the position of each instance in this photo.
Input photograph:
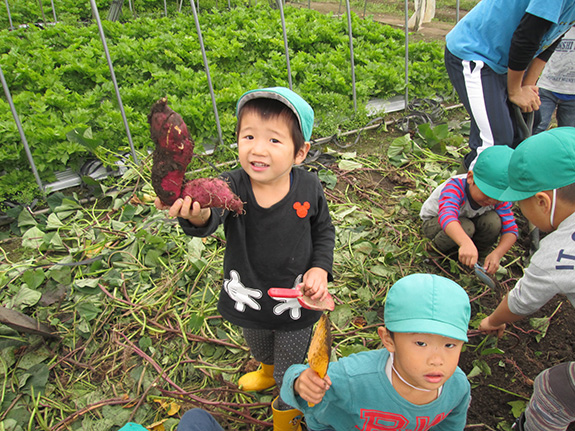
(466, 212)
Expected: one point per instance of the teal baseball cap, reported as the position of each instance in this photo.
(490, 170)
(545, 161)
(428, 304)
(302, 110)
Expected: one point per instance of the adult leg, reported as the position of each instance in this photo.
(548, 105)
(484, 95)
(566, 113)
(552, 405)
(487, 230)
(198, 420)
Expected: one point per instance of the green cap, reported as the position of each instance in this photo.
(428, 304)
(300, 107)
(490, 170)
(545, 161)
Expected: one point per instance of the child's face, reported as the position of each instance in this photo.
(478, 196)
(266, 148)
(424, 360)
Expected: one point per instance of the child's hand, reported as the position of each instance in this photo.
(491, 263)
(311, 387)
(468, 254)
(488, 328)
(186, 209)
(314, 284)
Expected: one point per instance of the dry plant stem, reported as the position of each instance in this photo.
(198, 338)
(142, 398)
(182, 393)
(110, 402)
(480, 426)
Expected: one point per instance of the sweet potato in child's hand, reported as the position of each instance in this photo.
(173, 152)
(172, 155)
(213, 192)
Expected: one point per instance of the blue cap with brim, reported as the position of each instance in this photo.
(302, 110)
(545, 161)
(428, 304)
(490, 170)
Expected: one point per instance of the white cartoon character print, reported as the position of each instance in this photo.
(241, 294)
(291, 304)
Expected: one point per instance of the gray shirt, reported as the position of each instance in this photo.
(550, 272)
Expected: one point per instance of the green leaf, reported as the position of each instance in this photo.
(88, 311)
(354, 348)
(25, 297)
(87, 286)
(33, 238)
(34, 277)
(35, 379)
(341, 316)
(349, 165)
(145, 343)
(152, 258)
(25, 219)
(540, 324)
(517, 407)
(329, 178)
(84, 136)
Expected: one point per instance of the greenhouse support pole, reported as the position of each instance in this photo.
(207, 68)
(364, 8)
(21, 131)
(165, 8)
(113, 75)
(54, 11)
(457, 11)
(9, 15)
(406, 53)
(42, 11)
(351, 55)
(280, 4)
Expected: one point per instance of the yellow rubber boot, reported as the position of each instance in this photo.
(286, 420)
(258, 380)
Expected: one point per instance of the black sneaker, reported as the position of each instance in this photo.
(519, 424)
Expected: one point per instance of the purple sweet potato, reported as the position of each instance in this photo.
(173, 152)
(172, 155)
(213, 192)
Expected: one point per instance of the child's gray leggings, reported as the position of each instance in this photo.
(552, 405)
(280, 349)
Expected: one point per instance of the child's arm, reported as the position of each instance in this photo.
(311, 387)
(468, 253)
(188, 210)
(495, 323)
(315, 283)
(492, 260)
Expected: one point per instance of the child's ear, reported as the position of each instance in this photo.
(470, 177)
(543, 201)
(302, 153)
(386, 338)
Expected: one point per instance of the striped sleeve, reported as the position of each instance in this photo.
(450, 200)
(508, 224)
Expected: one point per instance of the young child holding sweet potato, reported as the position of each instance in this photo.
(283, 238)
(413, 383)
